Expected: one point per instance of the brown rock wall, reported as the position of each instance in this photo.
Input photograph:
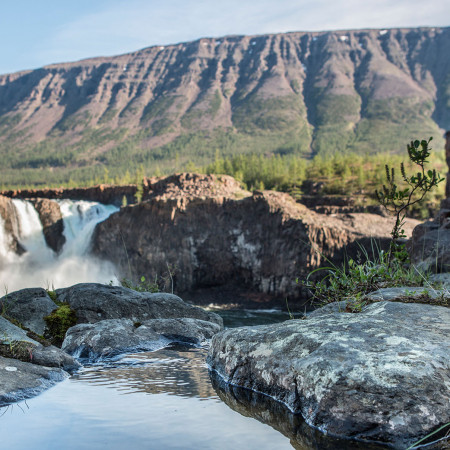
(52, 223)
(262, 242)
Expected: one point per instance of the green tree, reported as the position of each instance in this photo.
(397, 199)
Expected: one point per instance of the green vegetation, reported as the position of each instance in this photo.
(159, 284)
(355, 279)
(397, 199)
(143, 285)
(58, 322)
(424, 439)
(21, 350)
(349, 175)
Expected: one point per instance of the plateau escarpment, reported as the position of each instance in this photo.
(294, 93)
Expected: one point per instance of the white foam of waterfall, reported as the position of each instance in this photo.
(39, 265)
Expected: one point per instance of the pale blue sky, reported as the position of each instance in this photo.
(34, 33)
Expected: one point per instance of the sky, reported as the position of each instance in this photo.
(36, 33)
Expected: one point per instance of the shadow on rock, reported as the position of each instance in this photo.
(270, 412)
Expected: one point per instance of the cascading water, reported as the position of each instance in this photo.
(39, 265)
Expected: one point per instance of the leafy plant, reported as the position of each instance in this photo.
(355, 279)
(143, 285)
(159, 284)
(397, 199)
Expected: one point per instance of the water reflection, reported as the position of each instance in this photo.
(249, 317)
(273, 413)
(154, 400)
(175, 370)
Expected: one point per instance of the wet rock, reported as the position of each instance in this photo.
(29, 307)
(94, 302)
(52, 223)
(54, 357)
(266, 410)
(112, 337)
(379, 376)
(8, 217)
(20, 380)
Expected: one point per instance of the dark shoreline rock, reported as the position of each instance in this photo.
(277, 415)
(109, 338)
(29, 307)
(380, 376)
(21, 380)
(112, 320)
(94, 302)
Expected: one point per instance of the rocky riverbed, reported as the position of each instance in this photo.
(380, 377)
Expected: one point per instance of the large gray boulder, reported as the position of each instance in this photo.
(114, 336)
(382, 375)
(18, 344)
(429, 246)
(29, 307)
(94, 302)
(21, 380)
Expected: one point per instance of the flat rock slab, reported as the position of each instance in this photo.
(94, 302)
(382, 375)
(109, 338)
(20, 380)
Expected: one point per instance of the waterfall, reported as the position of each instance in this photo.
(39, 265)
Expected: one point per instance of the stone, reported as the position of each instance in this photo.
(52, 356)
(441, 278)
(21, 380)
(94, 302)
(10, 332)
(109, 338)
(25, 347)
(221, 237)
(399, 293)
(268, 411)
(52, 223)
(430, 249)
(382, 375)
(8, 221)
(29, 307)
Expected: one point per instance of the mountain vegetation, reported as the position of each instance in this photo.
(289, 100)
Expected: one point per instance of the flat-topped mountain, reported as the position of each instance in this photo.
(302, 93)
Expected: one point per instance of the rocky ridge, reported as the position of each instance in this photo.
(299, 92)
(218, 235)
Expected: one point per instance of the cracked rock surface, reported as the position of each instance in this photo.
(382, 375)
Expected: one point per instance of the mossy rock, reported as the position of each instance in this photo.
(21, 350)
(58, 322)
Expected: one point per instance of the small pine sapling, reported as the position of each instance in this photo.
(398, 199)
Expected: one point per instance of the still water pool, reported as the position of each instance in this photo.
(156, 400)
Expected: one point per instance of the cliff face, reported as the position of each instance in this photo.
(365, 90)
(227, 238)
